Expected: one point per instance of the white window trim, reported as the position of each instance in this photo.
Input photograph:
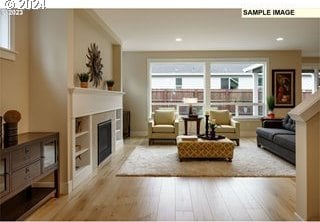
(207, 62)
(10, 54)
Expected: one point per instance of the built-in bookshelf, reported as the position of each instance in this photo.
(82, 146)
(118, 125)
(90, 107)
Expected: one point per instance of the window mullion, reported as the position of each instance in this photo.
(207, 86)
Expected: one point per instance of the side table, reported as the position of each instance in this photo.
(187, 119)
(267, 118)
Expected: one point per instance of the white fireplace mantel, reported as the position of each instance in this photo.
(91, 107)
(87, 101)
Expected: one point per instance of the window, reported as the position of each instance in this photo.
(310, 82)
(241, 88)
(6, 36)
(236, 86)
(178, 83)
(5, 31)
(171, 82)
(224, 83)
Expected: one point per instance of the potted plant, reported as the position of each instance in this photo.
(110, 84)
(84, 78)
(270, 104)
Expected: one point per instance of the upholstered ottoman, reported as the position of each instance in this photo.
(200, 148)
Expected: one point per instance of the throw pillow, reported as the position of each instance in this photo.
(222, 117)
(289, 123)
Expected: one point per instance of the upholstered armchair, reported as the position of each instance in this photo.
(227, 126)
(164, 126)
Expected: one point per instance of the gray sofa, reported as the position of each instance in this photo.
(278, 137)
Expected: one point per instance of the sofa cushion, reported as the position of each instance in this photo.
(222, 117)
(269, 133)
(289, 123)
(287, 141)
(165, 117)
(163, 129)
(225, 129)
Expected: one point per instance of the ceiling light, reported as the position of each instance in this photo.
(178, 39)
(279, 39)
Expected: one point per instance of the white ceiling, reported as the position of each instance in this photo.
(209, 29)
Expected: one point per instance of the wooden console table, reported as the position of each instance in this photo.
(187, 119)
(35, 156)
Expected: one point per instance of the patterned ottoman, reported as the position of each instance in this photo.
(200, 148)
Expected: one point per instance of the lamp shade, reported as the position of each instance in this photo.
(190, 100)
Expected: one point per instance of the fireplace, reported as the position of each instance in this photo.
(104, 140)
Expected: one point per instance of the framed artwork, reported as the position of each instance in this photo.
(283, 87)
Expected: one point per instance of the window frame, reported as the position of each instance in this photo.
(207, 75)
(316, 75)
(177, 105)
(10, 53)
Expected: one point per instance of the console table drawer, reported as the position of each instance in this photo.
(25, 155)
(25, 175)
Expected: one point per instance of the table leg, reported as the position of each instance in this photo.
(185, 127)
(198, 127)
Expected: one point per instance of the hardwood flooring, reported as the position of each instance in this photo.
(108, 197)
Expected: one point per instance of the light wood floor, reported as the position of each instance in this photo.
(108, 197)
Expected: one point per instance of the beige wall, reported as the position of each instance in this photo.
(14, 75)
(49, 67)
(135, 77)
(314, 60)
(85, 32)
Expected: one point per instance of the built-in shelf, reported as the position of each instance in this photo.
(80, 170)
(82, 148)
(81, 133)
(82, 151)
(89, 106)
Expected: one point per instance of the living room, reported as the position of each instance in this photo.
(40, 82)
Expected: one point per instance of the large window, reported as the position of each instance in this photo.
(236, 86)
(310, 82)
(171, 82)
(6, 36)
(5, 31)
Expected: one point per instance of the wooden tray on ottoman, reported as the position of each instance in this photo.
(205, 148)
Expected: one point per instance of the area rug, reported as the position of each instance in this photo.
(248, 161)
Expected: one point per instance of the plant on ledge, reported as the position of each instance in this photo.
(84, 78)
(270, 104)
(110, 84)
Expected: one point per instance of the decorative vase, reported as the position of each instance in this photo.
(110, 88)
(84, 84)
(271, 115)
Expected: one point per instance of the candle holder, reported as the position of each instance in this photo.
(207, 125)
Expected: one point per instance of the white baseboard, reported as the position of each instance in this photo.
(298, 217)
(247, 134)
(66, 188)
(145, 133)
(119, 143)
(139, 133)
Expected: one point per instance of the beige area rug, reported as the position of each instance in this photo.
(248, 161)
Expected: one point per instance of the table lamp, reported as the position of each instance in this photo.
(190, 101)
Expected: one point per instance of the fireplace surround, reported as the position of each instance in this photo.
(92, 108)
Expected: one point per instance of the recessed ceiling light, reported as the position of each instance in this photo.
(178, 39)
(279, 39)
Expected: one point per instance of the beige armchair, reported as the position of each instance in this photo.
(227, 126)
(164, 126)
